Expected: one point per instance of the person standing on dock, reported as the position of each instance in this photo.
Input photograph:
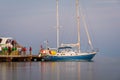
(9, 50)
(30, 50)
(24, 50)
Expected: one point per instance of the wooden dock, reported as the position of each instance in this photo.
(19, 58)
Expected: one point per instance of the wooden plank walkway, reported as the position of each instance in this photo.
(19, 58)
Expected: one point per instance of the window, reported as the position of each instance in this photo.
(0, 40)
(8, 41)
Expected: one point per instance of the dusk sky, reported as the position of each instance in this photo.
(31, 22)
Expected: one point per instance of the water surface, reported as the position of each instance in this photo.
(101, 68)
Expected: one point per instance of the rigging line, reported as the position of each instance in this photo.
(86, 29)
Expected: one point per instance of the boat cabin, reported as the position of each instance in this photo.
(8, 42)
(65, 49)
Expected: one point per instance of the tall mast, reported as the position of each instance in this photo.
(57, 16)
(78, 23)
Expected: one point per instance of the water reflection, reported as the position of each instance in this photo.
(65, 70)
(45, 70)
(103, 69)
(17, 71)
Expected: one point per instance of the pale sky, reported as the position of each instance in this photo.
(31, 22)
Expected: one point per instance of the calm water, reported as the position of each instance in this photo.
(101, 68)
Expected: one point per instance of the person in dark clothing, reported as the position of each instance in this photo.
(30, 50)
(9, 50)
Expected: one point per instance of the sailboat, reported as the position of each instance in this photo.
(66, 51)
